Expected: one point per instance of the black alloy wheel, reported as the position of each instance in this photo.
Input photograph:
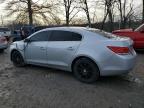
(86, 70)
(17, 59)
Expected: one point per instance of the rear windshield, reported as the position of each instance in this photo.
(4, 29)
(102, 33)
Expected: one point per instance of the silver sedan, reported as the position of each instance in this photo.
(87, 52)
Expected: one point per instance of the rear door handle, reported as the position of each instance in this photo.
(42, 48)
(70, 48)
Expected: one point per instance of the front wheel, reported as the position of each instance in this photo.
(86, 70)
(17, 59)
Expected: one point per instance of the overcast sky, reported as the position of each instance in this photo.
(137, 3)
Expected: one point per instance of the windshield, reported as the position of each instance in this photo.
(102, 33)
(140, 28)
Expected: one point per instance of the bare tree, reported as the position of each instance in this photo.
(28, 7)
(86, 10)
(104, 19)
(109, 6)
(30, 11)
(126, 11)
(95, 7)
(69, 10)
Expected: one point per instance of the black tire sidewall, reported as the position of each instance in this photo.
(14, 55)
(95, 73)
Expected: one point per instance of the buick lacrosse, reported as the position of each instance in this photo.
(87, 52)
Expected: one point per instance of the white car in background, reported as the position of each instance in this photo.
(3, 43)
(4, 31)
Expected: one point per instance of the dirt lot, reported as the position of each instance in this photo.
(38, 87)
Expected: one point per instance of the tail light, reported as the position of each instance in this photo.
(119, 50)
(3, 40)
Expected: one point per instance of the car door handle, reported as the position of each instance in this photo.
(42, 48)
(70, 48)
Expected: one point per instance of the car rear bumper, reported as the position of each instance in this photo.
(3, 46)
(118, 65)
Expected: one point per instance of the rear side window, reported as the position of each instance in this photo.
(41, 36)
(58, 35)
(102, 33)
(76, 37)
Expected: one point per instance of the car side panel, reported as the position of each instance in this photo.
(60, 53)
(108, 62)
(139, 40)
(35, 52)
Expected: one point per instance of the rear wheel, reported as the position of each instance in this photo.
(17, 59)
(86, 70)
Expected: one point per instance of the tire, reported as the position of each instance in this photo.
(1, 50)
(85, 70)
(17, 59)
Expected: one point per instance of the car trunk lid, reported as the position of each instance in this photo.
(122, 45)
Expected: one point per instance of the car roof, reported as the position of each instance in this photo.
(80, 30)
(70, 28)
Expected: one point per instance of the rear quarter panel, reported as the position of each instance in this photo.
(93, 47)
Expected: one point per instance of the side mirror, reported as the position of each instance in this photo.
(27, 40)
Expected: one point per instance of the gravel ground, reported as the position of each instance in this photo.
(38, 87)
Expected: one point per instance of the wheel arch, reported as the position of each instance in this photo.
(84, 56)
(14, 51)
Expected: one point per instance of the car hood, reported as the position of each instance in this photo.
(19, 42)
